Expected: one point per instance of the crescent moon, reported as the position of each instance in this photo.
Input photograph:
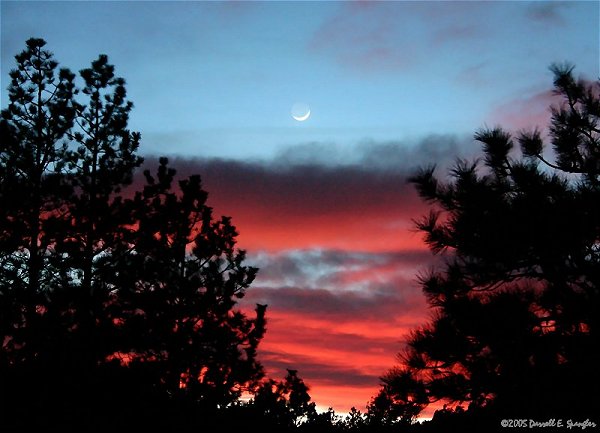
(302, 118)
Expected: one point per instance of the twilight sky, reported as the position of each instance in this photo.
(322, 206)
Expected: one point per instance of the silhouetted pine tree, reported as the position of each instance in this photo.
(284, 405)
(177, 292)
(33, 152)
(115, 312)
(102, 162)
(32, 159)
(516, 306)
(93, 223)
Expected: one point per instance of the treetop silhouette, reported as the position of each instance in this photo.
(515, 307)
(110, 305)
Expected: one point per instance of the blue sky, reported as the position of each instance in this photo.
(322, 206)
(219, 79)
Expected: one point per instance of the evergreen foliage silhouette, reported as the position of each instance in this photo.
(117, 310)
(286, 404)
(516, 305)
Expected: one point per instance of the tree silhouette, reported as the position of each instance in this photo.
(177, 291)
(116, 309)
(517, 303)
(32, 156)
(102, 163)
(285, 405)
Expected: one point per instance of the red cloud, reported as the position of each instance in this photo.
(338, 258)
(311, 206)
(341, 330)
(334, 357)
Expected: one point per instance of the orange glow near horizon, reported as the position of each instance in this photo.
(316, 341)
(338, 259)
(327, 233)
(340, 354)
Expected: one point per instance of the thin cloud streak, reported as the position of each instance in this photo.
(547, 13)
(396, 36)
(344, 270)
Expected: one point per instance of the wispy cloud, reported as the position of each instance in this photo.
(527, 111)
(396, 36)
(342, 270)
(547, 12)
(367, 37)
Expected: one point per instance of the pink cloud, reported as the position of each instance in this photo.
(525, 112)
(395, 36)
(531, 109)
(365, 36)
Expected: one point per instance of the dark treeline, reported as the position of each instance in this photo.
(118, 311)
